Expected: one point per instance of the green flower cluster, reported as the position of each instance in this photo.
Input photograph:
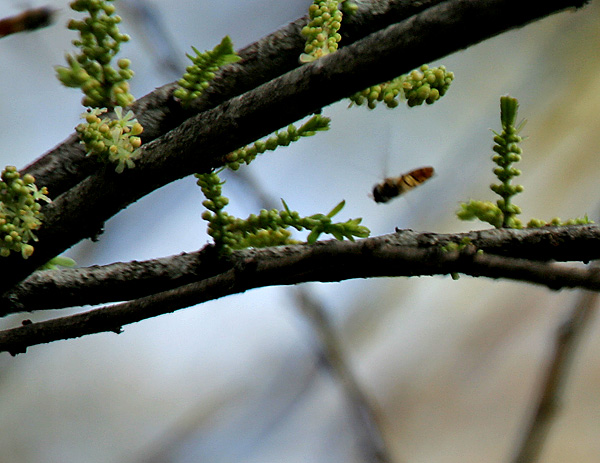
(111, 140)
(247, 154)
(268, 228)
(99, 42)
(349, 7)
(556, 222)
(321, 32)
(20, 212)
(58, 261)
(486, 211)
(503, 213)
(198, 76)
(423, 85)
(507, 152)
(462, 244)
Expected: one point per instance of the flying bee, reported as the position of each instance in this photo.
(29, 20)
(396, 186)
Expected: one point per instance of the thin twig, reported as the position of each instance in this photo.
(364, 412)
(28, 20)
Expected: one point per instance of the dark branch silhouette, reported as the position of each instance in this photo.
(57, 289)
(286, 265)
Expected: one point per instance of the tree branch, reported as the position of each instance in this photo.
(270, 57)
(199, 143)
(94, 285)
(324, 261)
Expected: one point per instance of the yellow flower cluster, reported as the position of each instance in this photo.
(100, 41)
(111, 140)
(20, 212)
(321, 32)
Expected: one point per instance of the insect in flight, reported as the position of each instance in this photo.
(392, 187)
(29, 20)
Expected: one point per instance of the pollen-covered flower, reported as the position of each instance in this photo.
(111, 140)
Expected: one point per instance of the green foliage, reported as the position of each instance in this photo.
(321, 223)
(99, 42)
(197, 76)
(246, 155)
(348, 7)
(321, 32)
(58, 261)
(111, 140)
(503, 213)
(20, 212)
(423, 85)
(268, 228)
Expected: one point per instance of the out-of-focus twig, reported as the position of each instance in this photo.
(155, 35)
(365, 418)
(29, 20)
(567, 335)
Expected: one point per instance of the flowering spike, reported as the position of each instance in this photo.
(423, 85)
(99, 42)
(503, 214)
(20, 212)
(111, 140)
(321, 32)
(247, 154)
(198, 75)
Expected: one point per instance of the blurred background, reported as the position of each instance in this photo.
(451, 367)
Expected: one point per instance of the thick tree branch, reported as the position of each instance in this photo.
(270, 57)
(324, 261)
(200, 142)
(274, 55)
(125, 281)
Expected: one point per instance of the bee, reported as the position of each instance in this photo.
(29, 20)
(396, 186)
